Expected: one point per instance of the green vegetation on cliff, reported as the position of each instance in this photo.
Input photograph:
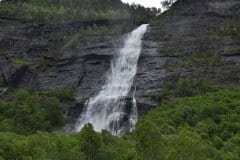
(29, 112)
(201, 127)
(43, 11)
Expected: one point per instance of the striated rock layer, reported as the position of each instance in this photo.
(186, 41)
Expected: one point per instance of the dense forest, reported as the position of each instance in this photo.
(44, 11)
(201, 127)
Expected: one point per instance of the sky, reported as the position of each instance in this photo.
(146, 3)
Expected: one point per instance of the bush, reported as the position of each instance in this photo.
(199, 128)
(47, 11)
(54, 111)
(30, 112)
(20, 62)
(63, 94)
(214, 116)
(86, 145)
(186, 87)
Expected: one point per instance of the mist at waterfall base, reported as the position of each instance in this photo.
(107, 109)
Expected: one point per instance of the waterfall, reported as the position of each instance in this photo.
(107, 109)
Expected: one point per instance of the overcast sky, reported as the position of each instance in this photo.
(146, 3)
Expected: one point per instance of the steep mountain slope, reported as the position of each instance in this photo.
(192, 48)
(59, 55)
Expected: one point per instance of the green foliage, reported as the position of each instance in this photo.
(97, 31)
(26, 113)
(20, 62)
(90, 142)
(234, 49)
(32, 11)
(230, 28)
(53, 111)
(63, 94)
(105, 30)
(227, 31)
(116, 148)
(44, 11)
(149, 141)
(87, 145)
(199, 128)
(30, 112)
(39, 146)
(199, 59)
(192, 60)
(176, 9)
(189, 145)
(186, 87)
(213, 116)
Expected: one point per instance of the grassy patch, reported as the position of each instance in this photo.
(63, 94)
(20, 62)
(186, 87)
(228, 31)
(231, 28)
(77, 39)
(170, 50)
(105, 30)
(195, 60)
(201, 59)
(234, 49)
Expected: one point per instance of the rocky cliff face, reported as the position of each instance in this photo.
(194, 40)
(186, 41)
(58, 55)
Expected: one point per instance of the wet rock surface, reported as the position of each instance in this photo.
(54, 56)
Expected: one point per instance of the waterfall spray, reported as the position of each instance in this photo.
(106, 109)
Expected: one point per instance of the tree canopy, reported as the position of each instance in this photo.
(42, 11)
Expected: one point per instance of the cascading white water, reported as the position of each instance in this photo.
(106, 109)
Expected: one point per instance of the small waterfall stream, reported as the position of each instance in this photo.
(106, 109)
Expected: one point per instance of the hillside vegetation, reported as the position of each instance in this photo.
(199, 128)
(43, 11)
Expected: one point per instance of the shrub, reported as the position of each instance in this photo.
(201, 127)
(20, 62)
(53, 111)
(30, 112)
(47, 11)
(214, 116)
(63, 94)
(186, 87)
